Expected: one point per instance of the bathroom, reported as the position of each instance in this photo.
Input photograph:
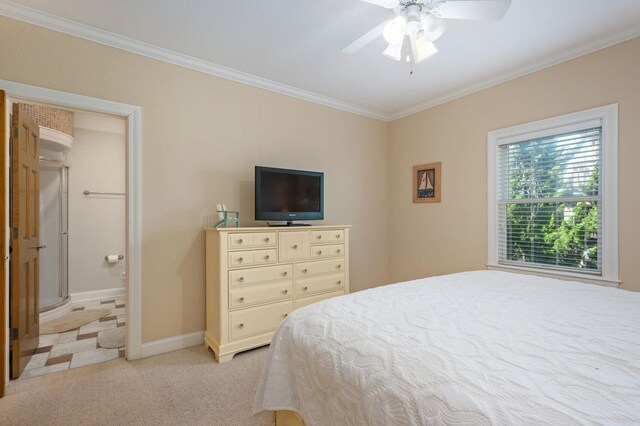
(81, 217)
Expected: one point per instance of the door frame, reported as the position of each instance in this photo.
(133, 115)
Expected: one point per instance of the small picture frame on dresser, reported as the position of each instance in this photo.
(427, 183)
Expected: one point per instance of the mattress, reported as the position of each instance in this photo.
(471, 348)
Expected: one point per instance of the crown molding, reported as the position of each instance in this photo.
(547, 62)
(66, 26)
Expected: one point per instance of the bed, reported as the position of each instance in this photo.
(475, 348)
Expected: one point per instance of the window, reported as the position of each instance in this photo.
(553, 196)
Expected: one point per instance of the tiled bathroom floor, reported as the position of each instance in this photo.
(79, 347)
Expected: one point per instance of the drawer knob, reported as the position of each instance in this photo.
(240, 259)
(339, 266)
(240, 241)
(305, 288)
(319, 237)
(305, 270)
(285, 291)
(320, 252)
(337, 235)
(242, 299)
(266, 257)
(295, 246)
(338, 251)
(284, 273)
(241, 279)
(285, 314)
(241, 325)
(266, 240)
(339, 282)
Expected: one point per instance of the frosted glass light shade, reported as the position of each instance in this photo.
(422, 49)
(434, 29)
(412, 28)
(393, 32)
(429, 23)
(394, 51)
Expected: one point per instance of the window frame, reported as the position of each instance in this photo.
(608, 118)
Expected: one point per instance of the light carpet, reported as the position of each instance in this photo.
(184, 387)
(72, 320)
(111, 339)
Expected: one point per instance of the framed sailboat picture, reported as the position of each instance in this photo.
(426, 183)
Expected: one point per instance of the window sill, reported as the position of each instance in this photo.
(562, 275)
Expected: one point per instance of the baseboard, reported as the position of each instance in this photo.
(170, 344)
(85, 296)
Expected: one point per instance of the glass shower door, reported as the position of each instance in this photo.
(54, 223)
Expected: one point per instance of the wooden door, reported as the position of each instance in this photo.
(3, 232)
(25, 154)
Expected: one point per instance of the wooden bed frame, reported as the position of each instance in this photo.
(288, 418)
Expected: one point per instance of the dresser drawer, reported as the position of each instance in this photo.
(319, 267)
(252, 239)
(320, 284)
(252, 257)
(327, 237)
(293, 246)
(333, 250)
(304, 301)
(263, 319)
(241, 297)
(259, 275)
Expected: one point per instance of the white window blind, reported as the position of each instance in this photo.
(549, 204)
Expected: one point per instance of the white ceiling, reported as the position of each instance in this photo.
(297, 43)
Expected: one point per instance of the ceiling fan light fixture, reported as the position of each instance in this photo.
(394, 51)
(394, 31)
(424, 21)
(422, 49)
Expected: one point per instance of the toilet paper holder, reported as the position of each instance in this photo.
(120, 257)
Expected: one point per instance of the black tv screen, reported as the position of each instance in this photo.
(288, 195)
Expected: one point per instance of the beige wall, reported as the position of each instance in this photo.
(452, 236)
(202, 136)
(96, 223)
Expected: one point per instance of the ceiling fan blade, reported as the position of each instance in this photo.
(387, 4)
(490, 10)
(365, 39)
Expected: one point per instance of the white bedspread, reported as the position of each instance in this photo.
(471, 348)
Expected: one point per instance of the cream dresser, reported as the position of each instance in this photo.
(256, 276)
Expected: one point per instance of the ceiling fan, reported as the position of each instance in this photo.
(423, 22)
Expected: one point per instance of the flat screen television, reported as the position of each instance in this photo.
(288, 195)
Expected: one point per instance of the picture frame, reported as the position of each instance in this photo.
(427, 183)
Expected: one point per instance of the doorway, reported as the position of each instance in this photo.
(81, 239)
(130, 269)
